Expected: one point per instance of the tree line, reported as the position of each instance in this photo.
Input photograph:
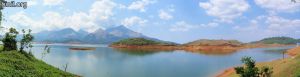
(10, 42)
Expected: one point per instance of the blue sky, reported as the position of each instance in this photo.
(172, 20)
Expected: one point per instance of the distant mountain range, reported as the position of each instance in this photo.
(110, 35)
(100, 36)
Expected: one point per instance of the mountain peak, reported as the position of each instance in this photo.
(100, 30)
(67, 30)
(81, 30)
(99, 36)
(121, 27)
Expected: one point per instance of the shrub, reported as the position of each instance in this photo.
(9, 40)
(250, 70)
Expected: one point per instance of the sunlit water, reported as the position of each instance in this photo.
(109, 62)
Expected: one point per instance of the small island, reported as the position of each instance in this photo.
(142, 43)
(213, 45)
(82, 48)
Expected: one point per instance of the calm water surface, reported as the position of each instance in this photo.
(109, 62)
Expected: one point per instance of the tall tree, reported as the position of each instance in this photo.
(26, 40)
(1, 7)
(9, 40)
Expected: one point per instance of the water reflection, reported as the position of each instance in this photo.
(139, 52)
(109, 62)
(143, 52)
(220, 53)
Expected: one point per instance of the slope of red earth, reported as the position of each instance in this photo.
(230, 72)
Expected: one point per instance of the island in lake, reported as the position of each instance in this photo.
(82, 48)
(206, 45)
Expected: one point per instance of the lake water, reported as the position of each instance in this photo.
(109, 62)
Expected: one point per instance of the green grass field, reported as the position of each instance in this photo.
(289, 67)
(15, 64)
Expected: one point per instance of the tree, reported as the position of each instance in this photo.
(265, 71)
(1, 7)
(46, 51)
(9, 40)
(26, 40)
(250, 70)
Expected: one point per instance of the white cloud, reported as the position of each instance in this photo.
(282, 25)
(53, 2)
(297, 32)
(225, 10)
(165, 15)
(253, 27)
(89, 21)
(21, 19)
(133, 21)
(255, 30)
(267, 26)
(102, 9)
(181, 26)
(32, 2)
(81, 20)
(171, 8)
(24, 21)
(140, 5)
(211, 25)
(53, 21)
(279, 5)
(121, 6)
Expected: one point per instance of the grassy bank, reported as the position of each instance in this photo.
(288, 67)
(15, 64)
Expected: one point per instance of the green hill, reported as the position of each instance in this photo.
(207, 42)
(15, 64)
(278, 40)
(140, 41)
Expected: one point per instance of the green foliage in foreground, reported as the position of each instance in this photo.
(9, 40)
(1, 47)
(297, 67)
(136, 41)
(26, 40)
(15, 64)
(250, 70)
(278, 40)
(1, 7)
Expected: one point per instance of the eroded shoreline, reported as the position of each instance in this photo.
(196, 48)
